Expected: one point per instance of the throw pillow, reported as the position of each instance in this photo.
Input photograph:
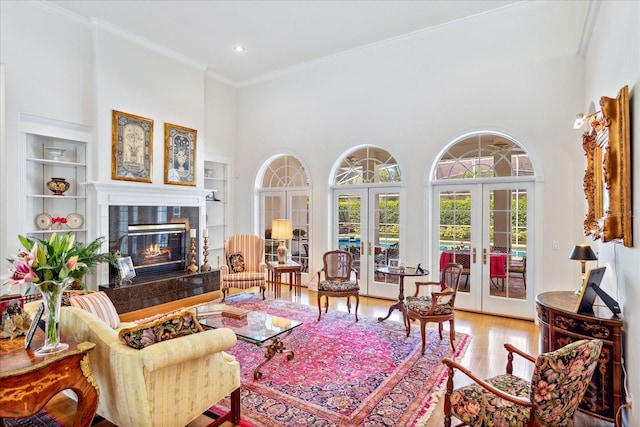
(99, 304)
(166, 328)
(236, 262)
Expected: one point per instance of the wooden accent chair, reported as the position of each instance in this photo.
(559, 381)
(439, 306)
(245, 267)
(338, 269)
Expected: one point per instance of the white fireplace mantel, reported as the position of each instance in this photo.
(102, 195)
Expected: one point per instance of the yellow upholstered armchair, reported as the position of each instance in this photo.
(245, 267)
(169, 383)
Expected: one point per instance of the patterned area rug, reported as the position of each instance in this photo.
(344, 373)
(41, 419)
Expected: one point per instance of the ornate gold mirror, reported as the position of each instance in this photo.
(607, 179)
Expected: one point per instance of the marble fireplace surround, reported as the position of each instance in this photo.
(103, 195)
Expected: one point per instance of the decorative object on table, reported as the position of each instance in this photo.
(15, 321)
(58, 222)
(179, 155)
(126, 270)
(50, 266)
(58, 186)
(590, 289)
(74, 220)
(54, 153)
(132, 147)
(192, 267)
(282, 229)
(394, 264)
(43, 221)
(205, 251)
(582, 253)
(34, 325)
(419, 269)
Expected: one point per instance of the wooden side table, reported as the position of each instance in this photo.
(28, 382)
(560, 325)
(277, 270)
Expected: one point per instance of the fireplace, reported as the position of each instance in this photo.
(156, 248)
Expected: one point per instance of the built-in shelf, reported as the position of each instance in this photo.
(216, 181)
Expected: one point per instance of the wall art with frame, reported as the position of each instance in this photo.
(132, 147)
(179, 155)
(607, 179)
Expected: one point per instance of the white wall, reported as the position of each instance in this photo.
(412, 97)
(613, 61)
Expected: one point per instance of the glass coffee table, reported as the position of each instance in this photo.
(259, 328)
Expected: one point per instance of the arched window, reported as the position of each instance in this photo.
(367, 165)
(484, 155)
(285, 194)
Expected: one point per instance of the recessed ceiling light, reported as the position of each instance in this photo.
(239, 48)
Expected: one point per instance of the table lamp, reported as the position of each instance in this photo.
(583, 253)
(282, 229)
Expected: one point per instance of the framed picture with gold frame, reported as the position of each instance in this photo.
(132, 147)
(607, 179)
(179, 155)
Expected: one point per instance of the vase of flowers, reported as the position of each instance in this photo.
(50, 266)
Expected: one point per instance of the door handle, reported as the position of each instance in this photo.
(484, 256)
(369, 248)
(473, 255)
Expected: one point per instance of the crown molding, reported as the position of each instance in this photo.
(590, 18)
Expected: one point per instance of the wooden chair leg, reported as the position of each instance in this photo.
(447, 399)
(319, 306)
(326, 303)
(357, 305)
(349, 304)
(440, 330)
(452, 333)
(423, 334)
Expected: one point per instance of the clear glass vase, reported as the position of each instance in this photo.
(51, 291)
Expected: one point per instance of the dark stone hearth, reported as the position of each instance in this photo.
(145, 293)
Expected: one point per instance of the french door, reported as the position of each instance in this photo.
(367, 224)
(484, 227)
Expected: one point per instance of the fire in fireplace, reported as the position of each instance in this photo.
(156, 248)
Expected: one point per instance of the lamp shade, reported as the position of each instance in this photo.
(583, 253)
(282, 229)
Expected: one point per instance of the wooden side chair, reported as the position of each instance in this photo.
(439, 305)
(338, 270)
(559, 381)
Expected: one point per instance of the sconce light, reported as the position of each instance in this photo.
(581, 118)
(282, 229)
(583, 253)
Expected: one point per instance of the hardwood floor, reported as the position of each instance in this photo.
(485, 354)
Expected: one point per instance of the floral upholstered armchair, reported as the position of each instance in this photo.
(245, 267)
(559, 381)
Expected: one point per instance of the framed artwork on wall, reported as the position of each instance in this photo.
(607, 179)
(132, 147)
(179, 155)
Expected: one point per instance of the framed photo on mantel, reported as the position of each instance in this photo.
(132, 147)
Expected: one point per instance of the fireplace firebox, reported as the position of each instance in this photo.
(156, 249)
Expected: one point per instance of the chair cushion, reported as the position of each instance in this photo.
(474, 405)
(236, 262)
(422, 305)
(245, 276)
(181, 323)
(99, 304)
(338, 286)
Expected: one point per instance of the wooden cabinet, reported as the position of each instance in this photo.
(560, 325)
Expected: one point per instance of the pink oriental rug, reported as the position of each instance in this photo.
(344, 373)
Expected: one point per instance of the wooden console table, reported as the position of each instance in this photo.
(560, 325)
(28, 382)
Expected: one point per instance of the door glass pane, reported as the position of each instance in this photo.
(300, 219)
(273, 209)
(508, 242)
(455, 233)
(385, 240)
(350, 226)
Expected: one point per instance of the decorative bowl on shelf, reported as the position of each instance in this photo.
(58, 186)
(54, 153)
